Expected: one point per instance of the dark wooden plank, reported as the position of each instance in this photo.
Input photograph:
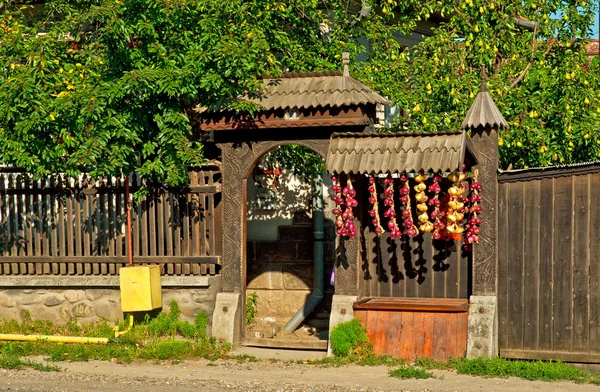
(104, 226)
(38, 218)
(28, 218)
(551, 356)
(78, 204)
(152, 222)
(387, 264)
(112, 223)
(452, 275)
(545, 296)
(464, 274)
(70, 221)
(47, 224)
(177, 207)
(87, 222)
(185, 201)
(96, 235)
(136, 213)
(426, 285)
(10, 223)
(581, 262)
(594, 265)
(169, 232)
(4, 211)
(195, 222)
(62, 241)
(515, 265)
(144, 226)
(160, 215)
(531, 261)
(54, 226)
(441, 255)
(563, 264)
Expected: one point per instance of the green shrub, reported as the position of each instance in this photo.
(407, 372)
(349, 338)
(251, 308)
(201, 321)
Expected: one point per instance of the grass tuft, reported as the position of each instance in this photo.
(407, 372)
(350, 339)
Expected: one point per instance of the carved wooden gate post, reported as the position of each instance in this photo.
(484, 119)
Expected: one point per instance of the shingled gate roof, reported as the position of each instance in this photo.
(375, 153)
(483, 112)
(316, 89)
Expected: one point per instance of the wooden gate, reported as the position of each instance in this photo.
(549, 266)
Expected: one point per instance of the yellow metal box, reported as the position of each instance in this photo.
(140, 288)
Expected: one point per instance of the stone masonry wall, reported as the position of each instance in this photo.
(87, 304)
(281, 273)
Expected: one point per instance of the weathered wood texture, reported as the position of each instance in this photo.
(418, 267)
(485, 253)
(77, 226)
(549, 274)
(415, 328)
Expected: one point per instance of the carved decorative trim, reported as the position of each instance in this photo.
(238, 162)
(485, 254)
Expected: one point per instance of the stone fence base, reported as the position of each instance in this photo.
(88, 299)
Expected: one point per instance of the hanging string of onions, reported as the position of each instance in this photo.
(374, 211)
(441, 213)
(390, 213)
(426, 226)
(472, 226)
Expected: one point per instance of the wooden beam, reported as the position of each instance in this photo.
(582, 357)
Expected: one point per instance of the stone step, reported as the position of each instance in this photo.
(307, 344)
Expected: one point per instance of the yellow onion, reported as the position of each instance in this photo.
(453, 177)
(453, 191)
(420, 187)
(422, 207)
(452, 228)
(421, 197)
(462, 176)
(420, 178)
(455, 205)
(455, 217)
(423, 217)
(426, 227)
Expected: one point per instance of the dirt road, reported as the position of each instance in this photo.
(221, 376)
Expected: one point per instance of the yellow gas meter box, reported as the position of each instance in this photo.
(140, 288)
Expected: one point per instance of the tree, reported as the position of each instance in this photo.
(109, 85)
(540, 77)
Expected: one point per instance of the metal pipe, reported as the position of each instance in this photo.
(52, 338)
(319, 234)
(128, 212)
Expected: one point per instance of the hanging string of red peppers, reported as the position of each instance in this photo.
(442, 212)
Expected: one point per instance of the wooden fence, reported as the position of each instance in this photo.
(549, 266)
(77, 226)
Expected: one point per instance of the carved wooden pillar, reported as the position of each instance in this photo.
(485, 253)
(233, 274)
(346, 264)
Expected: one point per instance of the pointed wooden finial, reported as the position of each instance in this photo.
(483, 79)
(346, 62)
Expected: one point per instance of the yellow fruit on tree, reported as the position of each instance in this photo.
(586, 136)
(586, 101)
(492, 6)
(500, 142)
(519, 144)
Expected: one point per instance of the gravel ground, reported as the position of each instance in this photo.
(221, 376)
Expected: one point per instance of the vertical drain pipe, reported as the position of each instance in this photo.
(319, 235)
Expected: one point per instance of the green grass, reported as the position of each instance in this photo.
(504, 368)
(16, 362)
(164, 337)
(350, 339)
(406, 372)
